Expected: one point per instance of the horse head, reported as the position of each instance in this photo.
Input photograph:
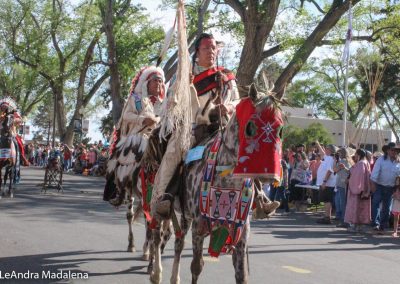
(259, 135)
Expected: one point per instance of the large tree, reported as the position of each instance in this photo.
(66, 47)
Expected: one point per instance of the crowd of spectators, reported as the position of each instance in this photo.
(86, 159)
(360, 187)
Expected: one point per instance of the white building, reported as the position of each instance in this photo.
(370, 139)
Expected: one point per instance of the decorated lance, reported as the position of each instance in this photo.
(167, 42)
(219, 78)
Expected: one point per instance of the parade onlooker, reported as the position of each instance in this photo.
(358, 207)
(298, 176)
(314, 165)
(92, 157)
(396, 208)
(384, 174)
(279, 191)
(67, 153)
(375, 157)
(342, 170)
(326, 180)
(312, 152)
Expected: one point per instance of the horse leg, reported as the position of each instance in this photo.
(197, 263)
(11, 183)
(179, 245)
(151, 256)
(166, 234)
(129, 217)
(5, 180)
(156, 274)
(1, 185)
(240, 258)
(146, 245)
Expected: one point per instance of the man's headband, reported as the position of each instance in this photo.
(154, 75)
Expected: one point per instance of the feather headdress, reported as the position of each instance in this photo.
(9, 103)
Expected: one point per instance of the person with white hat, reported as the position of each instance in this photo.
(139, 117)
(383, 178)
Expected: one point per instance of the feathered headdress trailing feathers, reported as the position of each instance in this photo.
(178, 116)
(8, 102)
(138, 86)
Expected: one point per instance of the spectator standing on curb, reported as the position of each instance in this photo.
(279, 191)
(358, 208)
(384, 174)
(67, 158)
(396, 208)
(314, 165)
(326, 180)
(342, 171)
(299, 174)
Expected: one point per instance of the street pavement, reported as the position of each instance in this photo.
(76, 231)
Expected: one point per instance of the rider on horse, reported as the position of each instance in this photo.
(139, 116)
(217, 94)
(8, 105)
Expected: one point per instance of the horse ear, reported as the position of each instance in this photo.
(253, 93)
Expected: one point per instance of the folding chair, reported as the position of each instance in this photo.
(54, 175)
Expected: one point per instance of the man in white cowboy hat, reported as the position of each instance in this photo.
(139, 117)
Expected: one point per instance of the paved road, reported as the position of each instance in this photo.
(76, 231)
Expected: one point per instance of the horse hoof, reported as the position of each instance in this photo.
(175, 281)
(131, 249)
(155, 279)
(145, 257)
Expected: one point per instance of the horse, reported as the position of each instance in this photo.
(9, 156)
(192, 186)
(144, 155)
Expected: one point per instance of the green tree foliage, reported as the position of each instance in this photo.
(321, 87)
(58, 51)
(293, 135)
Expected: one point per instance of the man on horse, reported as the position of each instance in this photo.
(218, 95)
(8, 105)
(139, 116)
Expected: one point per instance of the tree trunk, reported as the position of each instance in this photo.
(60, 109)
(257, 27)
(80, 101)
(108, 20)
